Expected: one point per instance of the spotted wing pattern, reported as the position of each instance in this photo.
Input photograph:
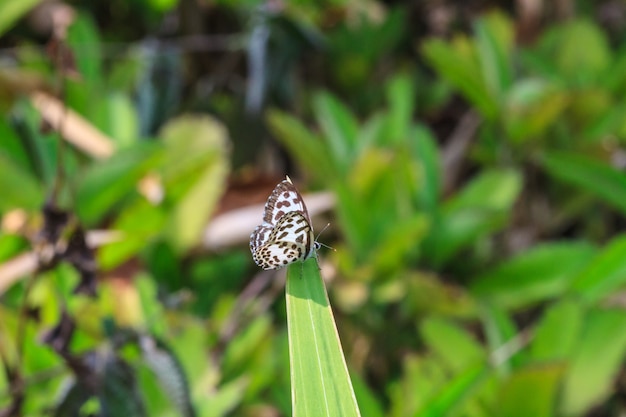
(290, 241)
(286, 235)
(284, 199)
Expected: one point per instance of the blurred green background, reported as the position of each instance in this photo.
(469, 156)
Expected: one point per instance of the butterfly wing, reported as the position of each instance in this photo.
(289, 241)
(284, 199)
(260, 236)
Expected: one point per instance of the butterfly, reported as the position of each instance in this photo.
(286, 235)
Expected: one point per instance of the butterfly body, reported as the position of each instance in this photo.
(286, 235)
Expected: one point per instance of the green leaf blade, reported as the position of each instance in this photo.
(321, 384)
(539, 274)
(596, 177)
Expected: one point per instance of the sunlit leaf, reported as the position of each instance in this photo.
(12, 10)
(319, 376)
(194, 175)
(595, 362)
(116, 116)
(557, 332)
(530, 391)
(339, 126)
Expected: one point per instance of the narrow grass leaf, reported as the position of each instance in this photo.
(320, 380)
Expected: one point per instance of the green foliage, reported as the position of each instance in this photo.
(12, 10)
(478, 271)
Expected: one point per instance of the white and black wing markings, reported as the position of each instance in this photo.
(286, 235)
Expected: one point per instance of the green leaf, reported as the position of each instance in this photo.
(500, 329)
(83, 37)
(495, 189)
(460, 229)
(530, 391)
(582, 52)
(451, 343)
(593, 176)
(19, 188)
(116, 116)
(373, 134)
(398, 241)
(457, 63)
(424, 148)
(12, 146)
(12, 10)
(302, 144)
(401, 97)
(557, 332)
(604, 274)
(423, 375)
(240, 355)
(352, 218)
(455, 391)
(532, 107)
(481, 208)
(319, 376)
(542, 272)
(11, 245)
(494, 43)
(194, 174)
(340, 128)
(84, 41)
(107, 183)
(223, 401)
(138, 225)
(596, 361)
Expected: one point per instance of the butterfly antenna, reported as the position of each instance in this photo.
(322, 231)
(320, 243)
